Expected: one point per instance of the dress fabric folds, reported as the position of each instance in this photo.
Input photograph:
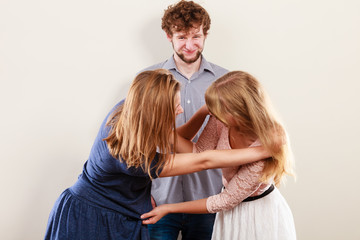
(70, 216)
(267, 218)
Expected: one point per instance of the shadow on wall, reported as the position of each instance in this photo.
(154, 42)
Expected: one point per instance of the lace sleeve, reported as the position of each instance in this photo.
(242, 185)
(208, 138)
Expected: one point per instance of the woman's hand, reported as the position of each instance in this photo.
(153, 203)
(196, 207)
(156, 214)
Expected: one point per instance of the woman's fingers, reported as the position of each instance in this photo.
(146, 215)
(154, 215)
(151, 220)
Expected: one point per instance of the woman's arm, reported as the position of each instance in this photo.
(196, 207)
(184, 163)
(235, 192)
(189, 129)
(242, 185)
(207, 140)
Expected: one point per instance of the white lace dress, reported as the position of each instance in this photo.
(267, 218)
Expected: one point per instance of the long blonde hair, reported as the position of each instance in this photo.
(143, 124)
(240, 95)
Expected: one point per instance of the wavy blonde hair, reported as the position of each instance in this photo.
(144, 123)
(240, 95)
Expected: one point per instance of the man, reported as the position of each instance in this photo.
(186, 25)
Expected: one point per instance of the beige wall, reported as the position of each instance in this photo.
(64, 64)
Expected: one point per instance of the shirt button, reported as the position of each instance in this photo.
(188, 101)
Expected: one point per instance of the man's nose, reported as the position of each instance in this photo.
(189, 44)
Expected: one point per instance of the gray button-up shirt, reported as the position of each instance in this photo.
(200, 184)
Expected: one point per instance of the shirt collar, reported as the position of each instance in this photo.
(205, 65)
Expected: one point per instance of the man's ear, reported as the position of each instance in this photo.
(169, 37)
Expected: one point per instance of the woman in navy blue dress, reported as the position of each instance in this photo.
(134, 145)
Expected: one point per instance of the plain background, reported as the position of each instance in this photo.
(64, 64)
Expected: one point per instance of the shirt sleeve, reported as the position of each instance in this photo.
(209, 137)
(244, 183)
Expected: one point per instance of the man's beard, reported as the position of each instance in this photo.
(189, 61)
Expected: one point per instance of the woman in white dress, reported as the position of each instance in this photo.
(250, 205)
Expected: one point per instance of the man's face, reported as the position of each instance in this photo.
(188, 46)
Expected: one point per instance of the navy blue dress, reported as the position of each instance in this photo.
(106, 201)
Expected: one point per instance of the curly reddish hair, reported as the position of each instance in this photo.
(183, 16)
